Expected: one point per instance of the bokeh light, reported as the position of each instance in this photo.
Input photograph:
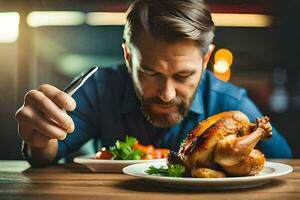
(222, 61)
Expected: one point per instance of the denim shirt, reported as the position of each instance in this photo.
(108, 109)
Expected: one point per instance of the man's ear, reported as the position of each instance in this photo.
(207, 56)
(127, 55)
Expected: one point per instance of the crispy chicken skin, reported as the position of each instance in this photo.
(225, 143)
(207, 173)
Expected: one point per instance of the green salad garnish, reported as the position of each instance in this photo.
(123, 150)
(176, 170)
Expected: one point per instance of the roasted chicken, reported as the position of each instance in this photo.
(223, 145)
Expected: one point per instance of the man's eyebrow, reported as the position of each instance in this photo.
(149, 68)
(186, 71)
(146, 67)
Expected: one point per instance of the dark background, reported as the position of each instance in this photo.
(266, 60)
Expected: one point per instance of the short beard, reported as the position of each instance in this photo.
(164, 119)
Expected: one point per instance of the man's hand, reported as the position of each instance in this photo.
(41, 118)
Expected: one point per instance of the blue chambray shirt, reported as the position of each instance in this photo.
(108, 109)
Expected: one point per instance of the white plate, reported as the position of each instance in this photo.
(271, 170)
(103, 165)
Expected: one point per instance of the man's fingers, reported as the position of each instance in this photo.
(39, 140)
(32, 137)
(41, 118)
(37, 99)
(31, 117)
(59, 97)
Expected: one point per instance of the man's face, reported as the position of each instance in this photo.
(165, 77)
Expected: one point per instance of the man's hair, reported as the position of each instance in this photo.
(170, 20)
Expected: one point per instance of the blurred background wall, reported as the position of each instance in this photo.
(40, 47)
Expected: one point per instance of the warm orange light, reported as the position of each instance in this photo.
(242, 20)
(224, 54)
(223, 61)
(223, 76)
(221, 66)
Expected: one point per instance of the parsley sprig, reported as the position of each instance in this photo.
(176, 170)
(123, 150)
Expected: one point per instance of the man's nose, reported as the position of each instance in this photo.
(167, 91)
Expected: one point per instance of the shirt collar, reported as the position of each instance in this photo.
(131, 102)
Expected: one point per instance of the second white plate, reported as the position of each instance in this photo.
(103, 165)
(271, 170)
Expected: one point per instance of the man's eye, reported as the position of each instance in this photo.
(184, 76)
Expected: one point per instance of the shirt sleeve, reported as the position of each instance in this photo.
(84, 117)
(277, 146)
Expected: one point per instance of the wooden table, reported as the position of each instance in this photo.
(72, 181)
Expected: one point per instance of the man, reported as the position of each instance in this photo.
(159, 97)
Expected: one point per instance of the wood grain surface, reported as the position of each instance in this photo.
(72, 181)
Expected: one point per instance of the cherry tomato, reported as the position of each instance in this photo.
(104, 154)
